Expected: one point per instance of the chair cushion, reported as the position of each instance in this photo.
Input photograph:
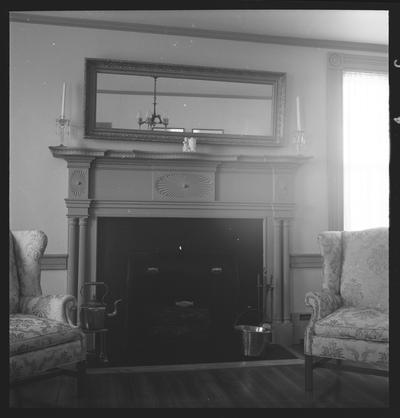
(36, 362)
(356, 323)
(13, 277)
(371, 352)
(365, 270)
(30, 333)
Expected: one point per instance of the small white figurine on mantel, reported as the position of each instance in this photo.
(185, 147)
(189, 144)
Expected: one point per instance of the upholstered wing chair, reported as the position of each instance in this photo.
(350, 319)
(42, 336)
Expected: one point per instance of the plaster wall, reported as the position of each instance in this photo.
(43, 56)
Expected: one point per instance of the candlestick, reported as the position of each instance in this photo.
(298, 113)
(63, 125)
(63, 102)
(299, 140)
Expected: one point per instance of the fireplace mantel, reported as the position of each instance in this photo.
(116, 183)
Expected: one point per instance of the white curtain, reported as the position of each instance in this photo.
(366, 149)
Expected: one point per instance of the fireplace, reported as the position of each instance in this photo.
(184, 282)
(144, 184)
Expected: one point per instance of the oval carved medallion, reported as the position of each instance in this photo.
(185, 186)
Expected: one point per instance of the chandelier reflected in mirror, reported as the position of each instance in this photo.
(154, 120)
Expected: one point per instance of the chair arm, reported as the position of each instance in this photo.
(322, 304)
(56, 307)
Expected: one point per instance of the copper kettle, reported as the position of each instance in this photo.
(92, 314)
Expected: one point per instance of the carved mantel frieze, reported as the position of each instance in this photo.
(176, 176)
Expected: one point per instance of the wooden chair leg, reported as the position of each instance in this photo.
(81, 378)
(308, 372)
(14, 397)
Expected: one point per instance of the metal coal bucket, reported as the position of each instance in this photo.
(253, 339)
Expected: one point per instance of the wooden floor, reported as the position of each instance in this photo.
(275, 386)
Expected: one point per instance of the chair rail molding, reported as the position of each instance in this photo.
(305, 261)
(59, 261)
(54, 262)
(297, 261)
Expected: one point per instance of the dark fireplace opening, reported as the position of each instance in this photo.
(184, 282)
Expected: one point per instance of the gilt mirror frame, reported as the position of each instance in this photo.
(94, 66)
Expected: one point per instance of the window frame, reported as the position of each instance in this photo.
(337, 64)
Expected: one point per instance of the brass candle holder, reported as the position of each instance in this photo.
(299, 140)
(62, 127)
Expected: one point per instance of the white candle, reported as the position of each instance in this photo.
(63, 102)
(298, 113)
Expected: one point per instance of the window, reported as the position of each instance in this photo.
(365, 150)
(357, 141)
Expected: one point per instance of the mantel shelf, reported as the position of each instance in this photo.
(66, 153)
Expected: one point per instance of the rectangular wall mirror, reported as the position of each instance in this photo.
(216, 105)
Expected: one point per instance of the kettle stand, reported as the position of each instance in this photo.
(97, 356)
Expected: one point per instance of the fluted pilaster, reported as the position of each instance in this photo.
(72, 278)
(277, 302)
(285, 270)
(83, 222)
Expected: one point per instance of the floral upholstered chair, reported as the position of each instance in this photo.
(42, 336)
(350, 319)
